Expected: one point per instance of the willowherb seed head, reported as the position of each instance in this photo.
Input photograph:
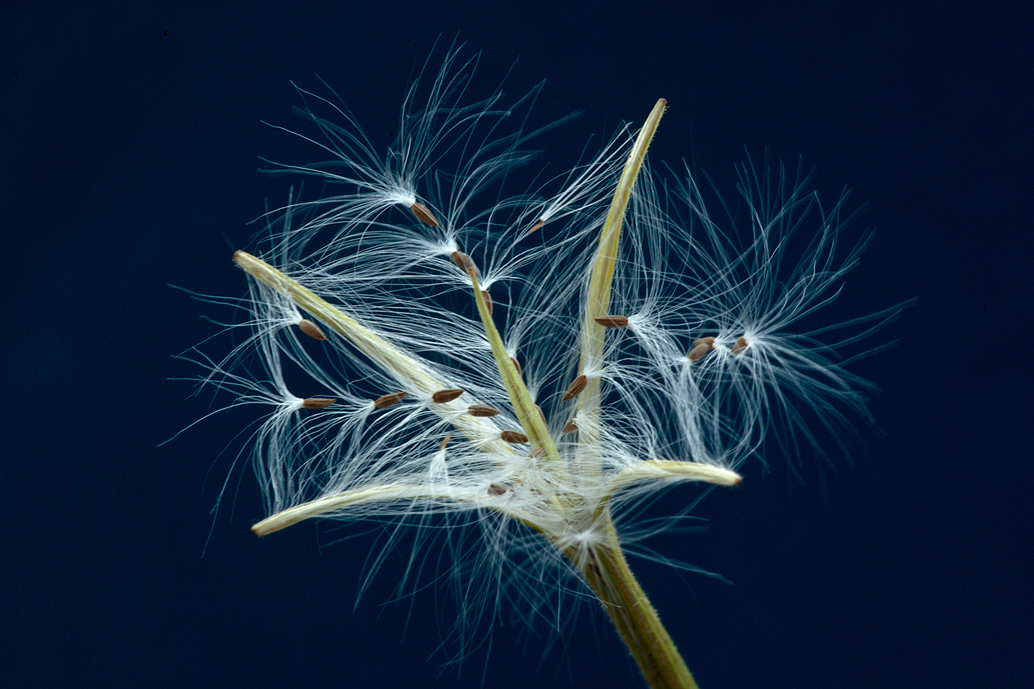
(703, 363)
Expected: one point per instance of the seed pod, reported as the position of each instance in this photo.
(741, 344)
(311, 329)
(612, 321)
(488, 300)
(463, 262)
(513, 437)
(576, 386)
(446, 395)
(387, 400)
(569, 427)
(497, 488)
(481, 410)
(317, 402)
(423, 214)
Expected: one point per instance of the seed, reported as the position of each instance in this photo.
(463, 262)
(482, 410)
(698, 352)
(488, 300)
(513, 437)
(446, 395)
(612, 321)
(318, 402)
(542, 414)
(576, 386)
(311, 329)
(423, 214)
(741, 344)
(496, 488)
(536, 227)
(709, 341)
(445, 442)
(569, 427)
(388, 400)
(516, 365)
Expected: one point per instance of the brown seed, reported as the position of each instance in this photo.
(318, 402)
(423, 214)
(709, 341)
(463, 262)
(536, 227)
(446, 395)
(537, 453)
(516, 365)
(513, 437)
(576, 386)
(698, 352)
(612, 321)
(311, 329)
(488, 300)
(388, 400)
(741, 344)
(542, 414)
(496, 488)
(569, 427)
(482, 410)
(445, 442)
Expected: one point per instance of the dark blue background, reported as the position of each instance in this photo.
(129, 144)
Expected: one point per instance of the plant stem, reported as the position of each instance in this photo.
(607, 573)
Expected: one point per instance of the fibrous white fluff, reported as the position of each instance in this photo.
(637, 343)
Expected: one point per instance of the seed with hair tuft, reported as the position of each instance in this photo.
(569, 427)
(446, 395)
(424, 214)
(516, 365)
(488, 300)
(317, 402)
(741, 344)
(697, 353)
(482, 410)
(497, 488)
(463, 262)
(536, 227)
(576, 386)
(513, 437)
(612, 321)
(700, 347)
(388, 400)
(445, 441)
(311, 329)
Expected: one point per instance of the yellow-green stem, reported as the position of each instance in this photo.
(607, 573)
